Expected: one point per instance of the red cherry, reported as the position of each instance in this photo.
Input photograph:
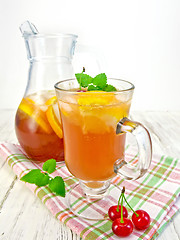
(113, 214)
(142, 221)
(122, 229)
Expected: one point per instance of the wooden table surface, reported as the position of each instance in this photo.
(24, 217)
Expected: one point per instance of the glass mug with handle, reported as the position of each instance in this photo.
(95, 124)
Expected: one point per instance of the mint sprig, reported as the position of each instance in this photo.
(49, 166)
(57, 185)
(83, 79)
(109, 88)
(100, 80)
(93, 88)
(98, 83)
(42, 178)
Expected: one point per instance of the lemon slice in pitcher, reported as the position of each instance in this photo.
(53, 117)
(31, 109)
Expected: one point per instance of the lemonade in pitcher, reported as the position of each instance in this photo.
(38, 126)
(37, 122)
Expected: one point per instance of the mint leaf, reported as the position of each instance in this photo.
(83, 79)
(109, 88)
(57, 185)
(37, 177)
(49, 166)
(42, 180)
(93, 88)
(100, 80)
(98, 83)
(31, 176)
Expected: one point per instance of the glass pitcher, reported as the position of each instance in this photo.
(37, 122)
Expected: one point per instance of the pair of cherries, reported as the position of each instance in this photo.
(122, 226)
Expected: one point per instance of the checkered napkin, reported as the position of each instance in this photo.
(157, 193)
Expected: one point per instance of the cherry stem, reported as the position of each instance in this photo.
(137, 215)
(122, 196)
(118, 203)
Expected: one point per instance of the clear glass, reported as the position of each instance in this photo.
(94, 128)
(37, 122)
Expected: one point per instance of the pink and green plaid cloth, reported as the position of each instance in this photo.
(157, 192)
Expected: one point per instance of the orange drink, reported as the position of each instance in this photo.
(38, 126)
(94, 126)
(89, 122)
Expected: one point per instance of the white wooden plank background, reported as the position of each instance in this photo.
(24, 217)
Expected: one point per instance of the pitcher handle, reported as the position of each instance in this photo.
(128, 170)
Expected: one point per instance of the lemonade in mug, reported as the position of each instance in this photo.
(94, 125)
(91, 144)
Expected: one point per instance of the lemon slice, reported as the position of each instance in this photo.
(94, 124)
(51, 100)
(27, 106)
(30, 100)
(95, 98)
(53, 117)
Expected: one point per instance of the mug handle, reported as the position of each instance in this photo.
(130, 171)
